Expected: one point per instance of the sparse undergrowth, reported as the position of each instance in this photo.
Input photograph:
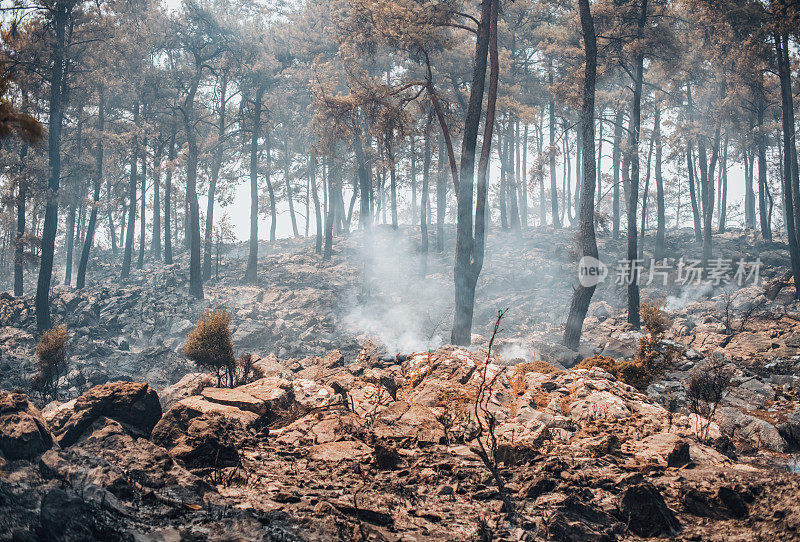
(51, 362)
(209, 345)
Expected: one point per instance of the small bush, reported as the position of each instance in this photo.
(245, 372)
(651, 353)
(654, 318)
(633, 373)
(209, 345)
(705, 389)
(51, 362)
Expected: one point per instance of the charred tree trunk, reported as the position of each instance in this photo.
(552, 130)
(155, 245)
(168, 199)
(583, 294)
(469, 248)
(62, 12)
(633, 196)
(19, 241)
(250, 273)
(143, 210)
(441, 194)
(98, 180)
(192, 156)
(216, 165)
(131, 215)
(787, 118)
(661, 222)
(616, 154)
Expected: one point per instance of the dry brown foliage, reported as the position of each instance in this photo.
(209, 345)
(51, 361)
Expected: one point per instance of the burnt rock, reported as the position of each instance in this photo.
(134, 405)
(734, 503)
(65, 517)
(643, 508)
(23, 431)
(198, 439)
(577, 521)
(679, 456)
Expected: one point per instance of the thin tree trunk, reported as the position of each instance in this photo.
(143, 210)
(524, 176)
(633, 284)
(787, 118)
(646, 194)
(761, 148)
(553, 186)
(168, 199)
(192, 155)
(723, 203)
(425, 203)
(155, 245)
(660, 207)
(250, 273)
(616, 154)
(441, 193)
(131, 210)
(312, 179)
(287, 180)
(469, 249)
(216, 165)
(98, 180)
(19, 241)
(582, 296)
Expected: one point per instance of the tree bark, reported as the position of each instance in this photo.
(131, 219)
(216, 165)
(192, 156)
(250, 273)
(441, 194)
(582, 296)
(143, 209)
(633, 196)
(98, 180)
(661, 222)
(552, 130)
(168, 199)
(19, 241)
(616, 154)
(155, 245)
(787, 118)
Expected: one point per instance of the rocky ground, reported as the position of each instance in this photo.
(365, 428)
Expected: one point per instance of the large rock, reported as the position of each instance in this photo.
(23, 431)
(599, 405)
(134, 405)
(646, 513)
(109, 466)
(202, 433)
(759, 433)
(191, 384)
(790, 429)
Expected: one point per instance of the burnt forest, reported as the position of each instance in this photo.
(399, 270)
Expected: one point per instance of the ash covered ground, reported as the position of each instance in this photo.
(366, 425)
